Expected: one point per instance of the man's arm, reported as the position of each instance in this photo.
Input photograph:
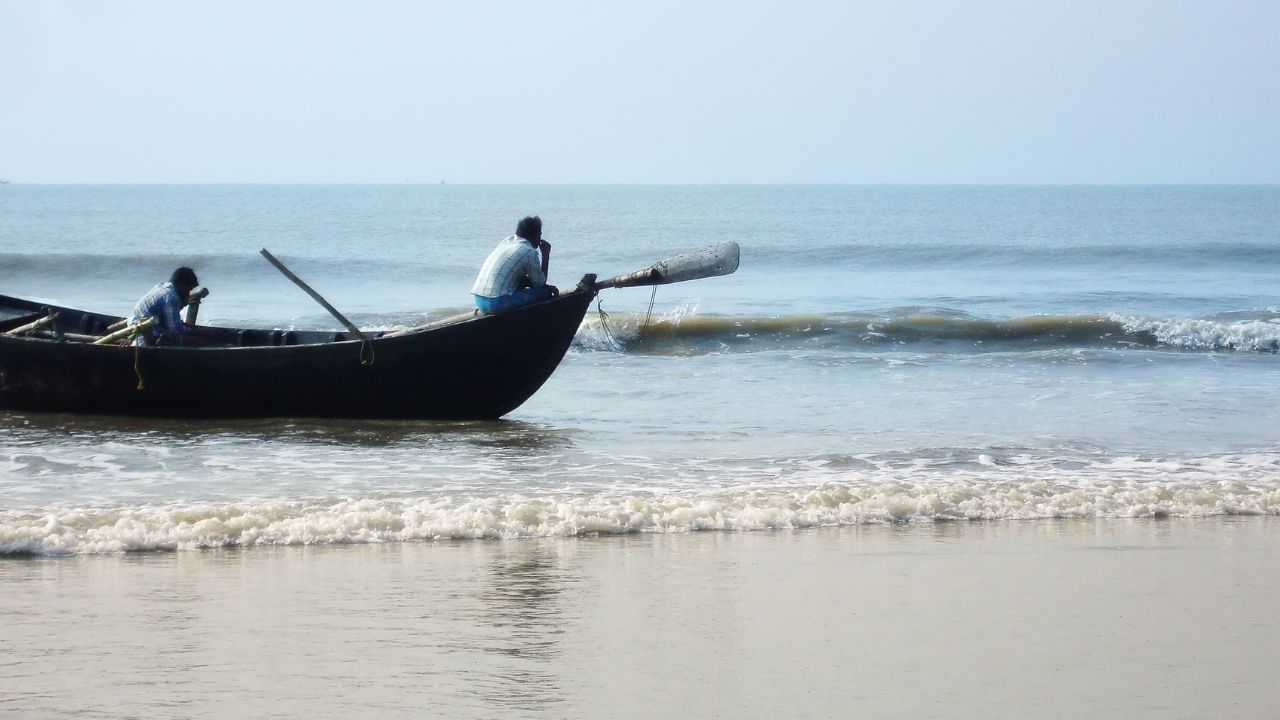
(534, 275)
(545, 248)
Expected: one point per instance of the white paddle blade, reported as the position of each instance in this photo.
(711, 261)
(720, 259)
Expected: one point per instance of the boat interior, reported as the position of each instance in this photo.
(24, 318)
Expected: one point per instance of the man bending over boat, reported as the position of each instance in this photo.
(164, 303)
(513, 275)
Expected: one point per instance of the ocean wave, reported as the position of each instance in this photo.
(683, 331)
(985, 488)
(111, 530)
(1194, 334)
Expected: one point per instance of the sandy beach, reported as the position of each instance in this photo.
(1116, 619)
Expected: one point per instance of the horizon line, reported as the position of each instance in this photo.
(415, 183)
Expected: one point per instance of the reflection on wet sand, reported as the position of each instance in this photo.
(519, 626)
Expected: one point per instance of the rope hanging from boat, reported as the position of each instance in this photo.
(366, 346)
(137, 357)
(652, 296)
(604, 323)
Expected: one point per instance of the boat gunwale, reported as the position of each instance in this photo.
(379, 336)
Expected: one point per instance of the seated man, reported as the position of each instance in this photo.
(512, 274)
(164, 303)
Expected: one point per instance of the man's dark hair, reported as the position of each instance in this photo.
(530, 228)
(184, 276)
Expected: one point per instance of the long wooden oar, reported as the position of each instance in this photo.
(721, 259)
(314, 295)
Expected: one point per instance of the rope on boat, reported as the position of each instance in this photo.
(604, 323)
(366, 345)
(137, 357)
(652, 296)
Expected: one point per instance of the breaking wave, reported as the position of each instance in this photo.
(986, 489)
(683, 331)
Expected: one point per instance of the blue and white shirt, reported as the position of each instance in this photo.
(163, 304)
(511, 262)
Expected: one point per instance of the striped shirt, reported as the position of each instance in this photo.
(513, 261)
(163, 304)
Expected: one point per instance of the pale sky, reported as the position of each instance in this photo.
(799, 91)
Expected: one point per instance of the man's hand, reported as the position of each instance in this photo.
(545, 247)
(195, 296)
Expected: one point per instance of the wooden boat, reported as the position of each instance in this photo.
(482, 366)
(468, 367)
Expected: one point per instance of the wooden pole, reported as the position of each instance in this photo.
(126, 332)
(314, 295)
(32, 326)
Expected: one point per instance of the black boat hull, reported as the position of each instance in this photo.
(478, 368)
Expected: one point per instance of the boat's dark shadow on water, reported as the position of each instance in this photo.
(516, 434)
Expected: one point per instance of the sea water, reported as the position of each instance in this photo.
(883, 355)
(932, 451)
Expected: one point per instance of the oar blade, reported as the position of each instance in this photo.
(721, 259)
(712, 261)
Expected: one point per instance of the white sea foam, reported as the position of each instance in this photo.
(1207, 334)
(988, 492)
(613, 332)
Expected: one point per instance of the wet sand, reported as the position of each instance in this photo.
(1107, 619)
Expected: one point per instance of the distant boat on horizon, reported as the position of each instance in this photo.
(4, 181)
